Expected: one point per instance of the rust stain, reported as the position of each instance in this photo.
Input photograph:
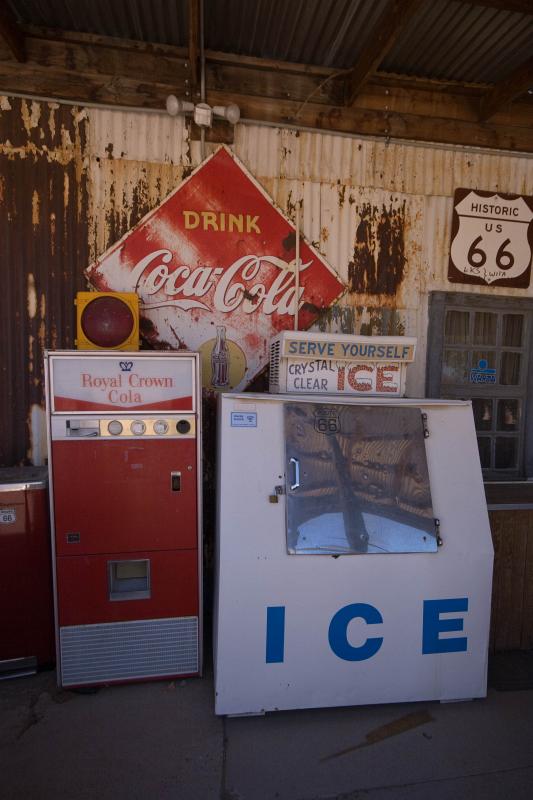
(290, 206)
(342, 193)
(30, 115)
(379, 253)
(383, 322)
(362, 320)
(52, 233)
(32, 296)
(35, 207)
(324, 234)
(289, 242)
(52, 107)
(31, 341)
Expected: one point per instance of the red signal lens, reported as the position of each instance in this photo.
(107, 321)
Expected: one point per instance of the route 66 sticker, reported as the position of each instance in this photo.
(7, 516)
(492, 239)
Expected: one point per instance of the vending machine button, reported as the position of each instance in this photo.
(160, 426)
(183, 426)
(138, 427)
(115, 427)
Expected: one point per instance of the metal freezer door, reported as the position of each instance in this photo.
(357, 480)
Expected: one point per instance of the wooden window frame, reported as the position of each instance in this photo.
(439, 303)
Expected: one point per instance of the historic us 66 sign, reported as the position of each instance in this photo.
(492, 238)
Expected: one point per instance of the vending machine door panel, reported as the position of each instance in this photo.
(124, 495)
(127, 586)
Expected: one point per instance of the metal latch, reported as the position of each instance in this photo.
(278, 490)
(437, 529)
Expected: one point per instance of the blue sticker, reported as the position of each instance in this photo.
(243, 419)
(482, 373)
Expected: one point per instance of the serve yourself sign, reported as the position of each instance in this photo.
(214, 267)
(340, 364)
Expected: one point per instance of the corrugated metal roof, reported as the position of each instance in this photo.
(321, 32)
(446, 39)
(158, 21)
(463, 42)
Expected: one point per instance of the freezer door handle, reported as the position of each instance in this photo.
(296, 484)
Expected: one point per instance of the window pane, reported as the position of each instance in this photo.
(508, 415)
(483, 443)
(512, 330)
(482, 414)
(485, 328)
(456, 327)
(455, 366)
(510, 369)
(506, 452)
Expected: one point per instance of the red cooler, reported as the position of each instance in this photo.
(26, 617)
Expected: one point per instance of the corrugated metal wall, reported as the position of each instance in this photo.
(380, 213)
(43, 249)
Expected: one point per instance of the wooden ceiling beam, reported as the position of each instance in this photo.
(507, 90)
(89, 69)
(12, 34)
(380, 40)
(384, 124)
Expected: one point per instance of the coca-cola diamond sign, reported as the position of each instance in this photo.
(214, 267)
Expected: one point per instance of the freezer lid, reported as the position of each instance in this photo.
(357, 480)
(13, 479)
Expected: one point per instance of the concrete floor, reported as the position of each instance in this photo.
(161, 740)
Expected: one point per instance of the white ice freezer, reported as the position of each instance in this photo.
(354, 554)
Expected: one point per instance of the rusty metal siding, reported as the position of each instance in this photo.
(136, 160)
(43, 249)
(400, 193)
(350, 184)
(73, 182)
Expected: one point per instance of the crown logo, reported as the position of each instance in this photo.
(125, 366)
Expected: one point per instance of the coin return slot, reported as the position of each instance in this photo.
(129, 580)
(175, 481)
(80, 427)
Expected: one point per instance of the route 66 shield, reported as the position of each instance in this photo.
(492, 237)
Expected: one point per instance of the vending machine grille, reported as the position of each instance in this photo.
(128, 650)
(275, 351)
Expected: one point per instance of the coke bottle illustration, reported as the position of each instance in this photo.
(220, 359)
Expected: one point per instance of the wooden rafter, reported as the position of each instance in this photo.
(88, 68)
(12, 34)
(505, 91)
(381, 39)
(194, 43)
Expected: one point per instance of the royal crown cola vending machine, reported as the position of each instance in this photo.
(125, 448)
(354, 555)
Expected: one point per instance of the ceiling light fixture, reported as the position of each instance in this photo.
(202, 112)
